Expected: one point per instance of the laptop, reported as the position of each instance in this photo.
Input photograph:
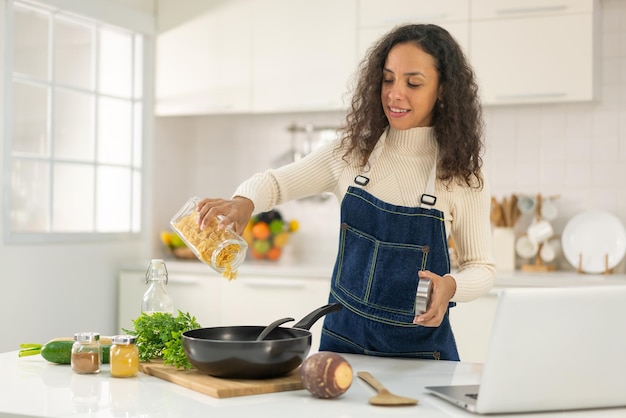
(551, 349)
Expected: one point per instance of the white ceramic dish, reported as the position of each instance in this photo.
(594, 241)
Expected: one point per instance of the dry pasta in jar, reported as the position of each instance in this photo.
(222, 249)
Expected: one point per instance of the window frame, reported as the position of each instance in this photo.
(120, 18)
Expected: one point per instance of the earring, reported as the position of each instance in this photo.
(441, 106)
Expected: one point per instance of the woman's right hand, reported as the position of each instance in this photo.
(236, 211)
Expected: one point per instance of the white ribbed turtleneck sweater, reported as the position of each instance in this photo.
(399, 176)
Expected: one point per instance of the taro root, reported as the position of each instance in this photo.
(326, 375)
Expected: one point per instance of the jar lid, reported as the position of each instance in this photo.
(124, 339)
(87, 337)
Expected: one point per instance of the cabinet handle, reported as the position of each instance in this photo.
(521, 10)
(530, 96)
(292, 284)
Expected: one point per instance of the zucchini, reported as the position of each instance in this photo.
(59, 350)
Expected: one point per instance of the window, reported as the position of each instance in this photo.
(74, 125)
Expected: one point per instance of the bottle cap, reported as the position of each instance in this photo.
(87, 337)
(156, 269)
(124, 339)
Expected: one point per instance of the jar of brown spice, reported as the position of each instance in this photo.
(86, 353)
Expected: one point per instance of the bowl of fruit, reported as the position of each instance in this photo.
(267, 234)
(176, 246)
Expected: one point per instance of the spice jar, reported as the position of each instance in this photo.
(124, 356)
(222, 249)
(86, 353)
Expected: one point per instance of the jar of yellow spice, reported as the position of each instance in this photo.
(222, 249)
(124, 356)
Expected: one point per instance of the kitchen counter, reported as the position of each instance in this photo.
(323, 271)
(30, 386)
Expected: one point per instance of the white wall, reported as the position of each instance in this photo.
(50, 291)
(577, 151)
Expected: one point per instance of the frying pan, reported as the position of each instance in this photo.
(234, 352)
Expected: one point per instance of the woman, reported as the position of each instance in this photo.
(407, 171)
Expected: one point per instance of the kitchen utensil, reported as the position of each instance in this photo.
(525, 247)
(547, 252)
(233, 351)
(271, 328)
(540, 231)
(594, 241)
(496, 216)
(504, 248)
(217, 387)
(515, 212)
(384, 397)
(526, 204)
(548, 210)
(506, 211)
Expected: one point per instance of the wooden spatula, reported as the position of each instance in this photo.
(384, 397)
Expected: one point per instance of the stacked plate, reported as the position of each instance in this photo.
(594, 241)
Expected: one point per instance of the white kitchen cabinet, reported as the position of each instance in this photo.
(472, 323)
(259, 300)
(378, 17)
(194, 293)
(486, 9)
(303, 54)
(534, 52)
(204, 63)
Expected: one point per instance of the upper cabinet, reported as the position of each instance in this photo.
(257, 56)
(204, 58)
(378, 17)
(247, 56)
(537, 51)
(303, 54)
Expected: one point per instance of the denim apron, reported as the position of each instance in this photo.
(381, 249)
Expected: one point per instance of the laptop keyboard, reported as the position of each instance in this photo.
(472, 395)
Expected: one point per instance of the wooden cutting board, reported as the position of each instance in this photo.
(220, 387)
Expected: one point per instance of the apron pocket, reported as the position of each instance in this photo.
(379, 274)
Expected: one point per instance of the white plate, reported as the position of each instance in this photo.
(590, 237)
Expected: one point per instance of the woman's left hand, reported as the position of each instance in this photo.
(443, 289)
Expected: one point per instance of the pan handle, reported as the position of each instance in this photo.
(308, 321)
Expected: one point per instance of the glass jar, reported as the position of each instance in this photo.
(222, 249)
(86, 355)
(156, 298)
(124, 357)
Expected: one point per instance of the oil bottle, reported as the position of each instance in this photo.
(156, 298)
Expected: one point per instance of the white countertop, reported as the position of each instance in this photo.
(323, 271)
(30, 386)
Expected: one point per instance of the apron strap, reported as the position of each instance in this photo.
(427, 199)
(361, 180)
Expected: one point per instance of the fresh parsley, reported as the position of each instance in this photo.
(159, 335)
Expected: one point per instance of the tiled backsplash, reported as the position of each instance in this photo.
(575, 151)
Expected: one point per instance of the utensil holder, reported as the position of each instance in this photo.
(539, 265)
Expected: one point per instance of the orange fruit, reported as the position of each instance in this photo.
(256, 255)
(261, 231)
(274, 253)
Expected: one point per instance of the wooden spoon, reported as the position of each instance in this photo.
(384, 397)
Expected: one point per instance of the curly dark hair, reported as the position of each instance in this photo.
(457, 117)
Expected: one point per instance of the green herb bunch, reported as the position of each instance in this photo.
(159, 335)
